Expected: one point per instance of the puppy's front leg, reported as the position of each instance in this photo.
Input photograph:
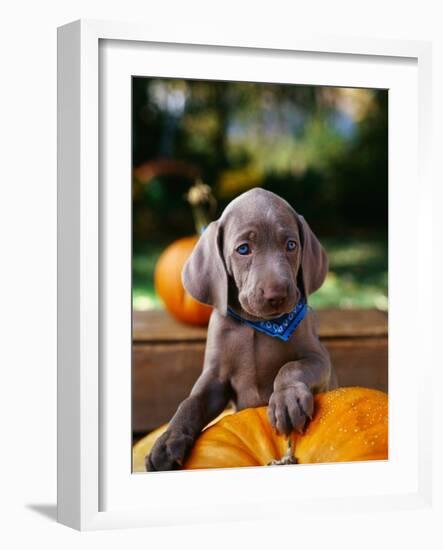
(292, 403)
(208, 398)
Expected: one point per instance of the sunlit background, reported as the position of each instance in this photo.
(324, 149)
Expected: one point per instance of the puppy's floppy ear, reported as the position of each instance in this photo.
(204, 274)
(314, 262)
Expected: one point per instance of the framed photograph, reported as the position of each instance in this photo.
(235, 285)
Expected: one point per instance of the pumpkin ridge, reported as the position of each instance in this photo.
(191, 460)
(255, 454)
(246, 448)
(267, 428)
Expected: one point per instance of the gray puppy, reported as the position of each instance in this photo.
(256, 265)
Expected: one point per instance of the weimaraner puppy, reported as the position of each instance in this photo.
(256, 265)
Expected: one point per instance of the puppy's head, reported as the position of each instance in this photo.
(260, 257)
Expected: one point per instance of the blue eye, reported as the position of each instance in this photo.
(291, 245)
(243, 249)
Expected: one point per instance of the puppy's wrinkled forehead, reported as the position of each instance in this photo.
(260, 212)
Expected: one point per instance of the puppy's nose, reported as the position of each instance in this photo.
(275, 295)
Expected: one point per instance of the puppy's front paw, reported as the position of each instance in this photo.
(169, 452)
(291, 408)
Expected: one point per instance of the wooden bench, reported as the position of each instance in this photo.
(168, 358)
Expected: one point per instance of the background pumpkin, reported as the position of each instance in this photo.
(168, 284)
(167, 274)
(349, 424)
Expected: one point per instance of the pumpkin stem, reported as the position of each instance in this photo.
(287, 458)
(203, 205)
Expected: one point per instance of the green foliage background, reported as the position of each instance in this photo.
(324, 149)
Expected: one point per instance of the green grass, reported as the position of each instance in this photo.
(358, 275)
(143, 264)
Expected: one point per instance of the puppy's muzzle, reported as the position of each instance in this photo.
(274, 296)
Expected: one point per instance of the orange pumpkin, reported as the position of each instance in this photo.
(168, 285)
(349, 424)
(144, 445)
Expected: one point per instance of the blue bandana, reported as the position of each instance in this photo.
(283, 327)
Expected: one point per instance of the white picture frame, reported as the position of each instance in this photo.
(95, 488)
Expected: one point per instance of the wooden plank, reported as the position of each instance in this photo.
(360, 362)
(352, 323)
(163, 374)
(159, 326)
